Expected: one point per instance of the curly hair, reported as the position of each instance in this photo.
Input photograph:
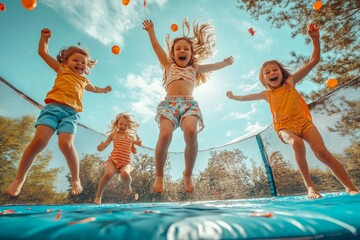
(132, 124)
(202, 45)
(65, 53)
(285, 73)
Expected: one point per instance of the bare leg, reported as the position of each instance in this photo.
(300, 156)
(313, 137)
(42, 136)
(110, 171)
(126, 177)
(189, 125)
(66, 145)
(162, 146)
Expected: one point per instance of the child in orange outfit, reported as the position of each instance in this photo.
(291, 116)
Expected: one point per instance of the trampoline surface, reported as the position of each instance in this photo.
(335, 216)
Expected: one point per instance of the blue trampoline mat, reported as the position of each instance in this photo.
(335, 216)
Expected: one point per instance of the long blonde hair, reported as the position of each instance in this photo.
(133, 125)
(202, 45)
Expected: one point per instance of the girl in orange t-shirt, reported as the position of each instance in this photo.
(60, 114)
(123, 130)
(291, 116)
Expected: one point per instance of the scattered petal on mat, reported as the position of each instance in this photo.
(91, 219)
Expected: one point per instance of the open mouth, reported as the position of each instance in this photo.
(273, 79)
(182, 58)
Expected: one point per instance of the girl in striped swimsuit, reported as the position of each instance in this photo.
(122, 134)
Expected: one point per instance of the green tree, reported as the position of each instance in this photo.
(39, 187)
(340, 33)
(287, 179)
(225, 177)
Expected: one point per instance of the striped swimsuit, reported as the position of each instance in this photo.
(120, 155)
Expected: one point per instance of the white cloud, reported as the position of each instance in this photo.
(229, 133)
(106, 21)
(251, 129)
(238, 115)
(146, 91)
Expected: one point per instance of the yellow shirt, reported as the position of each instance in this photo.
(287, 107)
(68, 89)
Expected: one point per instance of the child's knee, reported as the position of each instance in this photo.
(323, 155)
(65, 145)
(125, 175)
(190, 133)
(165, 136)
(297, 143)
(40, 142)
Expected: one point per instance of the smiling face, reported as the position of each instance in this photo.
(123, 125)
(272, 75)
(77, 62)
(182, 52)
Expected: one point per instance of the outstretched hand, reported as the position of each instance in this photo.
(229, 94)
(313, 31)
(108, 89)
(46, 33)
(148, 25)
(229, 60)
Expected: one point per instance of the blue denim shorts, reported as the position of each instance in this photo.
(177, 108)
(62, 118)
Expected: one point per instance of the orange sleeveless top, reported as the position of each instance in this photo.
(287, 107)
(120, 155)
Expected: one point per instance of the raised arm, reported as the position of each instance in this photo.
(160, 53)
(215, 66)
(91, 88)
(314, 34)
(104, 145)
(44, 50)
(251, 97)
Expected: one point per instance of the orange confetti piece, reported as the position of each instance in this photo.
(58, 216)
(125, 2)
(174, 27)
(257, 214)
(115, 49)
(9, 211)
(331, 83)
(317, 5)
(29, 4)
(91, 219)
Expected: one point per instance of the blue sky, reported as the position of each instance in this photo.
(135, 73)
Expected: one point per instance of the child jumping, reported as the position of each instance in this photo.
(63, 103)
(182, 73)
(122, 134)
(291, 116)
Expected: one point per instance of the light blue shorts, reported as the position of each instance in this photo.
(177, 108)
(62, 118)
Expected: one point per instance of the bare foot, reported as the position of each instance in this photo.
(128, 190)
(188, 186)
(313, 194)
(353, 192)
(97, 200)
(15, 187)
(76, 187)
(158, 185)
